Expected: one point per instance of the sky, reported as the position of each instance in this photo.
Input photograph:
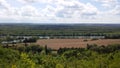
(60, 11)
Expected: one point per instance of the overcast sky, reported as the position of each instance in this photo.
(60, 11)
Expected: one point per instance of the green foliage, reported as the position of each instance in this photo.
(31, 48)
(68, 58)
(25, 62)
(8, 54)
(115, 63)
(7, 57)
(59, 66)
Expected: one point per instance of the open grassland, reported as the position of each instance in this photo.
(76, 43)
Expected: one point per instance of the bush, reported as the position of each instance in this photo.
(30, 40)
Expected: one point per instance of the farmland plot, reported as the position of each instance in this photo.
(76, 43)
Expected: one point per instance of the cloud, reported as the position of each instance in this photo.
(108, 3)
(4, 4)
(90, 11)
(77, 10)
(7, 9)
(29, 11)
(27, 1)
(115, 11)
(60, 11)
(34, 1)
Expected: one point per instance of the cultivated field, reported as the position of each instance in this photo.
(57, 43)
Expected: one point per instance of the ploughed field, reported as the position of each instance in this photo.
(76, 43)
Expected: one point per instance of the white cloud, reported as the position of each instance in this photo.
(4, 4)
(60, 11)
(108, 3)
(27, 1)
(75, 9)
(7, 9)
(115, 11)
(34, 1)
(90, 11)
(29, 11)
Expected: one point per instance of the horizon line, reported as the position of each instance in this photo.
(52, 23)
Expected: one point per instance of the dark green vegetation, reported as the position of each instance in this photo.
(107, 30)
(41, 57)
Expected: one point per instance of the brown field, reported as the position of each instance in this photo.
(57, 43)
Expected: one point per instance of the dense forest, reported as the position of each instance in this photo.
(108, 30)
(34, 56)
